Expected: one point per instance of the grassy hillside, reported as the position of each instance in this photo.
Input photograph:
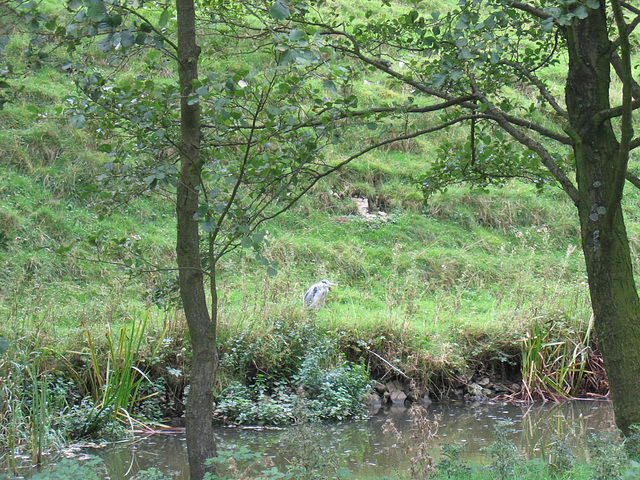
(467, 266)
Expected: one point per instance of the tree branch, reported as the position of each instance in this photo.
(528, 142)
(541, 87)
(530, 9)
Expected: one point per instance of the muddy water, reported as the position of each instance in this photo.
(370, 448)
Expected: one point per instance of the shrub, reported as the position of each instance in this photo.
(325, 386)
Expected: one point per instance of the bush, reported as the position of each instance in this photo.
(326, 387)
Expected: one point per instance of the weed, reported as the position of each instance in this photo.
(70, 469)
(151, 474)
(608, 456)
(116, 386)
(29, 408)
(423, 433)
(506, 459)
(560, 459)
(451, 464)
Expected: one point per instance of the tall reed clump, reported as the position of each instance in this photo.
(116, 380)
(552, 368)
(30, 406)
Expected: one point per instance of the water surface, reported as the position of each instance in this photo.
(381, 444)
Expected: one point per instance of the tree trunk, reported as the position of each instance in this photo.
(202, 330)
(600, 172)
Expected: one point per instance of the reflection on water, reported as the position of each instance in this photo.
(365, 448)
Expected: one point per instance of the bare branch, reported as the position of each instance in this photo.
(632, 179)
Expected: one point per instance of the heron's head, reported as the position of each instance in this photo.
(328, 283)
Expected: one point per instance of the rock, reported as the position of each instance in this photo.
(499, 388)
(474, 390)
(487, 392)
(398, 396)
(483, 382)
(380, 388)
(413, 396)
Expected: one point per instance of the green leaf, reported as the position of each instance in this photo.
(272, 272)
(246, 242)
(581, 12)
(63, 250)
(96, 11)
(465, 54)
(4, 41)
(203, 209)
(279, 11)
(164, 18)
(295, 35)
(329, 85)
(207, 226)
(74, 4)
(78, 121)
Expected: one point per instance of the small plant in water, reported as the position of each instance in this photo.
(505, 456)
(424, 431)
(552, 369)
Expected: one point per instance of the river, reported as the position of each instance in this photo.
(382, 443)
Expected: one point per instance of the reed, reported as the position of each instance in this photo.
(552, 369)
(28, 411)
(116, 379)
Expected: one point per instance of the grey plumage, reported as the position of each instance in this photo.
(317, 294)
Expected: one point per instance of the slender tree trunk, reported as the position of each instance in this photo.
(200, 439)
(600, 171)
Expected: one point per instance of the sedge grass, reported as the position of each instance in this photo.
(115, 385)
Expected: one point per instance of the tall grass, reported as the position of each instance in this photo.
(552, 368)
(116, 379)
(28, 409)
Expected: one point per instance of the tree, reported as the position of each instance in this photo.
(467, 66)
(239, 144)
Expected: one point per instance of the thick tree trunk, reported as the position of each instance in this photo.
(601, 168)
(199, 422)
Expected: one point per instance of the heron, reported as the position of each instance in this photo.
(317, 294)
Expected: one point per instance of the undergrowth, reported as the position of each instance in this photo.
(318, 384)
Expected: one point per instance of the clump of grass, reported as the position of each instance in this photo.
(552, 368)
(29, 407)
(116, 382)
(308, 373)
